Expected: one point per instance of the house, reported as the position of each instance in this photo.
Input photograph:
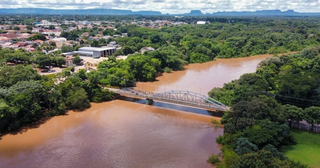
(37, 30)
(21, 43)
(69, 61)
(15, 46)
(201, 22)
(86, 34)
(29, 48)
(59, 41)
(56, 33)
(106, 37)
(144, 49)
(91, 66)
(39, 42)
(24, 36)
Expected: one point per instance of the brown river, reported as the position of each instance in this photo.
(128, 134)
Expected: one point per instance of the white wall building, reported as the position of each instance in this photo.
(94, 52)
(201, 22)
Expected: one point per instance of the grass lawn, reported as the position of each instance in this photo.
(307, 149)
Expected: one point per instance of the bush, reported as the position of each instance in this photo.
(216, 123)
(167, 70)
(213, 159)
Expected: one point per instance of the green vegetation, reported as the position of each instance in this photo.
(213, 159)
(26, 97)
(306, 150)
(263, 106)
(37, 36)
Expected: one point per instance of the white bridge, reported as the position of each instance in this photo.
(182, 97)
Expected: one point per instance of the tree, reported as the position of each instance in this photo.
(244, 146)
(43, 60)
(37, 36)
(213, 159)
(11, 75)
(155, 38)
(76, 60)
(16, 28)
(293, 113)
(127, 50)
(60, 61)
(66, 48)
(52, 43)
(94, 43)
(108, 32)
(78, 99)
(29, 27)
(51, 27)
(82, 74)
(312, 115)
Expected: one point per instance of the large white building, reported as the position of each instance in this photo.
(201, 22)
(95, 52)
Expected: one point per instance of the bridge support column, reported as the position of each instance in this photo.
(149, 101)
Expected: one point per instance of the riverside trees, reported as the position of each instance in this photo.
(26, 97)
(264, 105)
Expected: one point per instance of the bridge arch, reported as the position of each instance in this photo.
(182, 97)
(191, 98)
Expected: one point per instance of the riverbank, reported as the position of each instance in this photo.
(126, 134)
(202, 77)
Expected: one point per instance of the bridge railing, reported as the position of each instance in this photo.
(203, 103)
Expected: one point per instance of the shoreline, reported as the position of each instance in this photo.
(46, 119)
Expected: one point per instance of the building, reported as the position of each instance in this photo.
(90, 66)
(59, 41)
(69, 61)
(201, 22)
(144, 49)
(94, 52)
(98, 52)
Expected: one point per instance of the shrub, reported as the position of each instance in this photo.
(213, 159)
(167, 70)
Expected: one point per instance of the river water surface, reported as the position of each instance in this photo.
(124, 134)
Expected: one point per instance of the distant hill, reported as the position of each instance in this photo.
(195, 13)
(260, 13)
(43, 11)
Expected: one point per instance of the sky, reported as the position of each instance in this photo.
(170, 6)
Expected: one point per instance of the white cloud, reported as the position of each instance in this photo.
(170, 6)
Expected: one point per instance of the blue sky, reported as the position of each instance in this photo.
(170, 6)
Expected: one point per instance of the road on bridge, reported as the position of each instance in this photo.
(181, 97)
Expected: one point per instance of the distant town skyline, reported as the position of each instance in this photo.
(170, 6)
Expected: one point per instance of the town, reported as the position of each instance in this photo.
(77, 44)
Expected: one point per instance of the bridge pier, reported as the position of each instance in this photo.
(149, 101)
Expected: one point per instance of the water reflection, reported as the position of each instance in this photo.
(175, 107)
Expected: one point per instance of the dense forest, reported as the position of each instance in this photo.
(26, 97)
(177, 46)
(203, 43)
(264, 104)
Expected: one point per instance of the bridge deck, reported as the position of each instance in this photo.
(177, 97)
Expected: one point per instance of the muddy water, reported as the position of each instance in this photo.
(114, 134)
(125, 134)
(203, 77)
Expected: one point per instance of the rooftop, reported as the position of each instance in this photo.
(96, 48)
